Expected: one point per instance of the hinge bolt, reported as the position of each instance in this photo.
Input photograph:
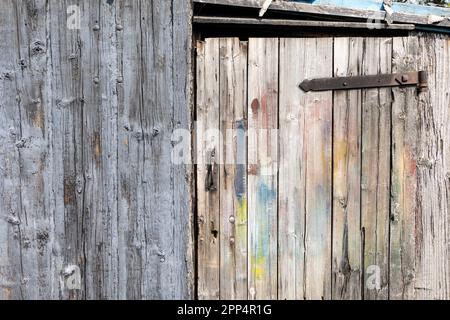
(405, 78)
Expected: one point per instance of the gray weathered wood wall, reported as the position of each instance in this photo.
(90, 204)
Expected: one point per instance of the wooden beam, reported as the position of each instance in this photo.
(300, 23)
(328, 10)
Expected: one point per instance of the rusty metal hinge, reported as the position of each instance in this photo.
(418, 78)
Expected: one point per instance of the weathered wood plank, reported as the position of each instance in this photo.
(67, 177)
(153, 100)
(375, 179)
(432, 267)
(99, 137)
(10, 179)
(292, 171)
(233, 182)
(420, 213)
(404, 174)
(33, 233)
(317, 62)
(298, 23)
(130, 153)
(262, 167)
(346, 260)
(208, 175)
(183, 256)
(157, 123)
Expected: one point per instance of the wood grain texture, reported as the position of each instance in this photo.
(432, 230)
(347, 242)
(32, 233)
(375, 179)
(404, 174)
(292, 174)
(317, 62)
(420, 207)
(89, 116)
(10, 167)
(388, 235)
(433, 266)
(262, 163)
(233, 173)
(208, 174)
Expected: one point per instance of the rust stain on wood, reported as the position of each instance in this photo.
(97, 148)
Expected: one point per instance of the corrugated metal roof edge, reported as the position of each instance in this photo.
(426, 23)
(407, 8)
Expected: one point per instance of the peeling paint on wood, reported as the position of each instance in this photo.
(385, 233)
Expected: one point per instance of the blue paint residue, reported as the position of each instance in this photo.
(375, 5)
(241, 159)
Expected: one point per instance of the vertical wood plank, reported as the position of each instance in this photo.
(130, 152)
(183, 269)
(67, 180)
(420, 220)
(432, 231)
(292, 170)
(10, 179)
(153, 93)
(207, 144)
(404, 174)
(158, 172)
(93, 204)
(346, 260)
(262, 167)
(317, 62)
(375, 180)
(100, 152)
(33, 232)
(233, 182)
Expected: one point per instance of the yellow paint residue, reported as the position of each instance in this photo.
(259, 269)
(340, 156)
(242, 211)
(340, 150)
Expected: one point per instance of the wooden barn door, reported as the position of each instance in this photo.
(304, 195)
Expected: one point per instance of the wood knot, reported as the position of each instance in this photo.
(22, 64)
(38, 48)
(253, 170)
(13, 220)
(255, 106)
(343, 202)
(155, 132)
